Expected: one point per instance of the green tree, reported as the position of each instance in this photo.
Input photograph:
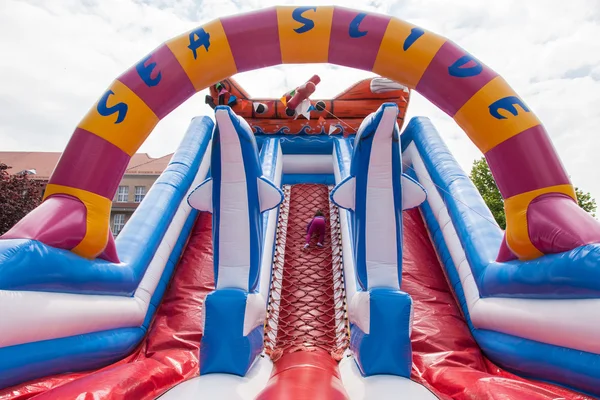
(484, 182)
(18, 196)
(486, 185)
(586, 201)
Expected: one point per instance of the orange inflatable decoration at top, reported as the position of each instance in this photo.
(341, 115)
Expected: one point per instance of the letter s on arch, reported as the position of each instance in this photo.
(508, 104)
(145, 72)
(105, 111)
(307, 24)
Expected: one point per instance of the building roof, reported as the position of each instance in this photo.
(43, 163)
(150, 166)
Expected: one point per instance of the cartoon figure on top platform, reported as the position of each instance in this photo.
(297, 102)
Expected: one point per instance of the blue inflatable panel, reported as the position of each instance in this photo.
(542, 361)
(573, 274)
(224, 348)
(301, 144)
(31, 265)
(76, 353)
(386, 349)
(322, 179)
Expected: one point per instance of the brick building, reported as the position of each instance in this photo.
(140, 175)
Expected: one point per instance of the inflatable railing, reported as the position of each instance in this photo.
(532, 317)
(242, 194)
(60, 311)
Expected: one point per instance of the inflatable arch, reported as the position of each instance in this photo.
(528, 171)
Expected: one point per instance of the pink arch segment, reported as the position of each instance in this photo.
(253, 39)
(513, 158)
(167, 83)
(343, 46)
(451, 91)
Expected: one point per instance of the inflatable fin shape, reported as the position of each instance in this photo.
(269, 195)
(413, 194)
(344, 195)
(201, 197)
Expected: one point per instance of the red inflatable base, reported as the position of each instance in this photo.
(305, 375)
(446, 358)
(169, 353)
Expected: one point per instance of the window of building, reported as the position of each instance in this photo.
(118, 223)
(123, 194)
(140, 193)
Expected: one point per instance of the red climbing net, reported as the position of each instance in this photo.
(307, 307)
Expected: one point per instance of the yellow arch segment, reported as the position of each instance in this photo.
(485, 130)
(129, 134)
(407, 66)
(517, 231)
(208, 67)
(311, 46)
(97, 216)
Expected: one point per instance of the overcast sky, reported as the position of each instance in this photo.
(58, 56)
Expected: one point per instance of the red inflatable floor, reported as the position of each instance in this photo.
(307, 307)
(168, 355)
(306, 347)
(445, 357)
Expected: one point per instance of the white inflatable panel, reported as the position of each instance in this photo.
(381, 246)
(380, 387)
(307, 164)
(573, 323)
(255, 313)
(37, 316)
(224, 386)
(359, 311)
(201, 197)
(234, 224)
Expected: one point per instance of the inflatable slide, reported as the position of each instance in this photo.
(210, 292)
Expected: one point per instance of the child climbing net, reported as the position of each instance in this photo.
(316, 226)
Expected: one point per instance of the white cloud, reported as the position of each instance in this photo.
(59, 56)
